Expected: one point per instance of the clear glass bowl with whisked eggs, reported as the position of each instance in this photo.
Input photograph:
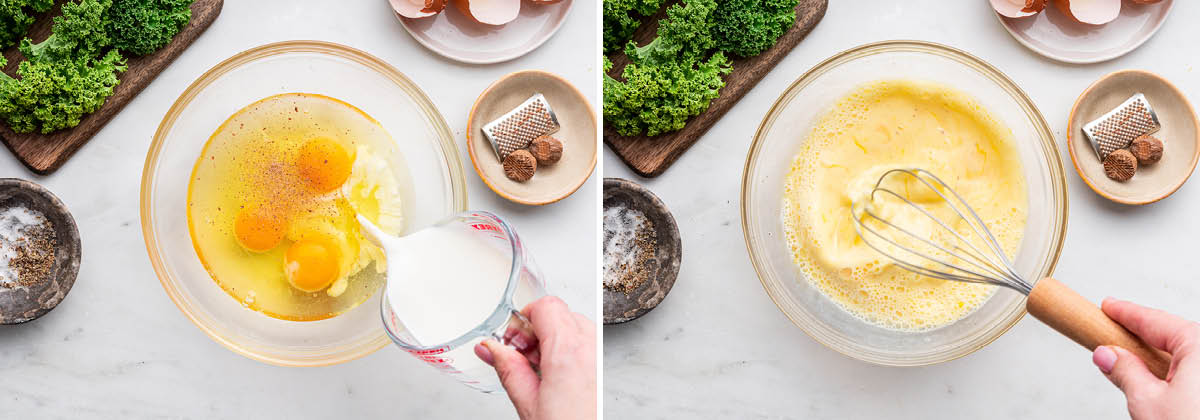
(779, 138)
(420, 134)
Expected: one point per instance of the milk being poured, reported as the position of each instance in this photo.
(443, 282)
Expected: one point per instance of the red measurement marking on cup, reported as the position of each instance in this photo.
(435, 358)
(484, 226)
(495, 231)
(432, 356)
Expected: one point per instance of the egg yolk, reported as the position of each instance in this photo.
(324, 164)
(311, 264)
(257, 230)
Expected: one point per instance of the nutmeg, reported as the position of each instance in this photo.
(520, 165)
(546, 149)
(1120, 165)
(1146, 149)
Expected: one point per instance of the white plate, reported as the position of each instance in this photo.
(455, 36)
(1056, 36)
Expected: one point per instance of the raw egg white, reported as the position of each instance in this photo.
(273, 199)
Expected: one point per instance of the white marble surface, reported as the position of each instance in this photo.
(118, 348)
(718, 348)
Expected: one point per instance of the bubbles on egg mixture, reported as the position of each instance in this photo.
(936, 121)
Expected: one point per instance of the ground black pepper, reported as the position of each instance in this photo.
(35, 257)
(33, 261)
(629, 274)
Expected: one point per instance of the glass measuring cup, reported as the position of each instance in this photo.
(525, 284)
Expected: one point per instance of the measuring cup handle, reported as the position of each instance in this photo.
(1074, 316)
(520, 322)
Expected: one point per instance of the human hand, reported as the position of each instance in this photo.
(1148, 397)
(565, 353)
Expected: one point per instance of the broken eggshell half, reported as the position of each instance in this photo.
(489, 12)
(1092, 12)
(1018, 8)
(417, 8)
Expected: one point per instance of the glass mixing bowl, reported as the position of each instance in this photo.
(791, 119)
(366, 82)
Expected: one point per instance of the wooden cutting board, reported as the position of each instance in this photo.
(650, 156)
(45, 153)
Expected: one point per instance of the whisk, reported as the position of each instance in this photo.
(972, 254)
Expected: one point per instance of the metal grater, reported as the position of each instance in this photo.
(1116, 129)
(518, 127)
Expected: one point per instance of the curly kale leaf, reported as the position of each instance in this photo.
(64, 77)
(622, 17)
(53, 95)
(140, 27)
(684, 35)
(670, 79)
(746, 28)
(660, 97)
(16, 16)
(79, 32)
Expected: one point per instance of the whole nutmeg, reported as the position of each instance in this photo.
(520, 165)
(546, 149)
(1146, 149)
(1120, 165)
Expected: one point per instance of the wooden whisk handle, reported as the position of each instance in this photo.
(1061, 308)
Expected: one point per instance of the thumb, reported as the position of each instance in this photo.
(515, 374)
(1126, 371)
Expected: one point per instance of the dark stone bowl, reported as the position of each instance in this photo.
(24, 304)
(618, 306)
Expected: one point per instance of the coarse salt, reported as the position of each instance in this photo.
(628, 245)
(15, 223)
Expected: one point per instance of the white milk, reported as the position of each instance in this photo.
(443, 282)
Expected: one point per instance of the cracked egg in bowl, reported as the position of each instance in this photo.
(252, 180)
(273, 198)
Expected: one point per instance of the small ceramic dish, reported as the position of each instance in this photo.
(578, 135)
(1056, 36)
(1180, 134)
(455, 36)
(620, 307)
(23, 304)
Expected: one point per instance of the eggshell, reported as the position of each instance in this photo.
(489, 12)
(417, 8)
(1092, 12)
(1018, 8)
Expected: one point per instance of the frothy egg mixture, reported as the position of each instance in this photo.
(273, 198)
(888, 125)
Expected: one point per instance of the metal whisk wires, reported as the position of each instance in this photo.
(966, 261)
